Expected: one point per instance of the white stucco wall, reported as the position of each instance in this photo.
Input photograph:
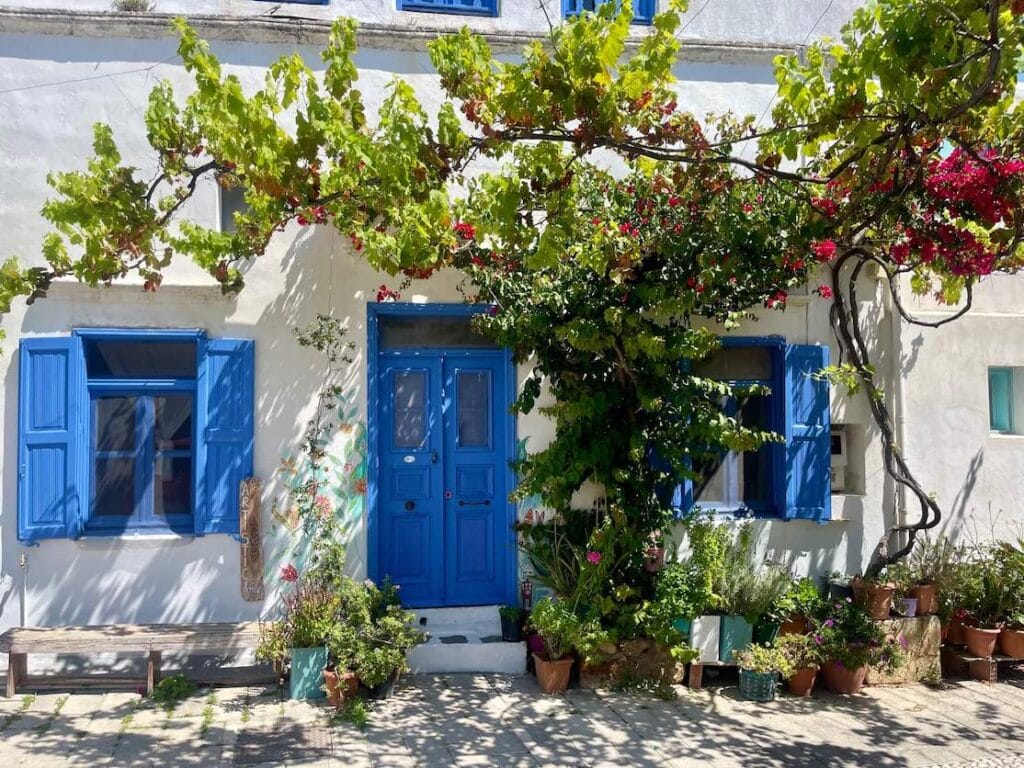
(307, 271)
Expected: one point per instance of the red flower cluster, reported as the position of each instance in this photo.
(972, 185)
(778, 301)
(315, 215)
(825, 205)
(289, 573)
(465, 230)
(824, 250)
(386, 294)
(824, 291)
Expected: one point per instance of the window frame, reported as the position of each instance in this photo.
(643, 10)
(490, 9)
(773, 508)
(1006, 372)
(143, 519)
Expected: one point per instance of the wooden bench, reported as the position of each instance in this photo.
(151, 639)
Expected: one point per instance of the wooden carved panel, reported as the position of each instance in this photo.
(252, 546)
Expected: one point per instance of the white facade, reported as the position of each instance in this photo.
(61, 70)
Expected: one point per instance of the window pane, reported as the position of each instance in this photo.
(114, 487)
(115, 424)
(422, 332)
(740, 478)
(172, 485)
(738, 364)
(711, 490)
(1000, 399)
(474, 408)
(140, 359)
(232, 200)
(410, 429)
(173, 428)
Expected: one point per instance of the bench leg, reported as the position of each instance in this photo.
(152, 671)
(694, 681)
(17, 671)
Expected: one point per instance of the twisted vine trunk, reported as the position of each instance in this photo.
(846, 323)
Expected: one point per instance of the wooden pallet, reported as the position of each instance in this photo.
(151, 639)
(957, 662)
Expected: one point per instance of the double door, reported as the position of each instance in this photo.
(443, 507)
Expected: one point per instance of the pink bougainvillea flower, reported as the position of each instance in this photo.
(594, 557)
(824, 291)
(465, 230)
(289, 573)
(824, 250)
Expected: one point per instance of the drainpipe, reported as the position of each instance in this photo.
(898, 404)
(23, 564)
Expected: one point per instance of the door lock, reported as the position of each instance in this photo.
(433, 457)
(410, 505)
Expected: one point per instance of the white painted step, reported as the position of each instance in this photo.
(465, 640)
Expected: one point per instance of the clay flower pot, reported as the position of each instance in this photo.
(876, 598)
(927, 598)
(1011, 642)
(552, 676)
(955, 631)
(340, 688)
(794, 625)
(839, 679)
(801, 682)
(981, 641)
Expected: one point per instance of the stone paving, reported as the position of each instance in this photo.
(487, 720)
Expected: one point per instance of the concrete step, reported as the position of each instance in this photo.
(465, 640)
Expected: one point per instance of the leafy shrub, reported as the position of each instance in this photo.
(849, 636)
(172, 689)
(802, 651)
(763, 659)
(802, 598)
(558, 624)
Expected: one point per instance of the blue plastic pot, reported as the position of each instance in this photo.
(683, 626)
(758, 686)
(737, 633)
(307, 674)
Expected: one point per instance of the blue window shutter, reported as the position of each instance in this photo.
(808, 451)
(224, 455)
(51, 414)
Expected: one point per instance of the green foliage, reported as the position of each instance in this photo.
(934, 561)
(802, 598)
(512, 613)
(171, 690)
(763, 659)
(847, 635)
(991, 583)
(560, 626)
(355, 712)
(802, 651)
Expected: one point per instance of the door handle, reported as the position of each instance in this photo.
(484, 503)
(433, 457)
(410, 505)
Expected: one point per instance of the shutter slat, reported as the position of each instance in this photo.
(225, 451)
(808, 457)
(49, 499)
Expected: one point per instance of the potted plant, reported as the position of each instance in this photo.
(380, 656)
(654, 553)
(767, 605)
(309, 616)
(341, 682)
(805, 656)
(687, 588)
(875, 594)
(851, 642)
(988, 597)
(736, 588)
(512, 617)
(801, 600)
(903, 604)
(760, 667)
(1011, 638)
(931, 565)
(558, 624)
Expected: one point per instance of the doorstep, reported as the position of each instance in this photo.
(464, 640)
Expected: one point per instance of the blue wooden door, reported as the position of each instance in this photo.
(443, 507)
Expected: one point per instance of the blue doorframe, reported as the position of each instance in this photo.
(374, 312)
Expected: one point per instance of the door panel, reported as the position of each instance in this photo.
(443, 499)
(476, 515)
(409, 504)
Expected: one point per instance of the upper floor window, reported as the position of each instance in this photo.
(470, 7)
(643, 10)
(232, 201)
(133, 431)
(1001, 396)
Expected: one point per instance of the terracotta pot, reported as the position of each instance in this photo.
(340, 687)
(655, 559)
(794, 625)
(876, 598)
(552, 676)
(927, 598)
(839, 679)
(801, 683)
(1011, 642)
(981, 642)
(955, 631)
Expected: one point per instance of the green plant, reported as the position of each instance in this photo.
(763, 659)
(1012, 558)
(171, 690)
(134, 6)
(848, 636)
(558, 624)
(802, 651)
(988, 586)
(802, 598)
(934, 561)
(512, 613)
(354, 712)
